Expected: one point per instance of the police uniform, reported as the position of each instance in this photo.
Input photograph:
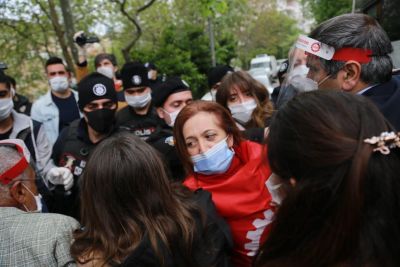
(73, 146)
(140, 125)
(134, 75)
(163, 139)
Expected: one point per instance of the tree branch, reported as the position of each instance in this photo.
(125, 50)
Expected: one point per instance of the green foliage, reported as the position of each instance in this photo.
(326, 9)
(271, 33)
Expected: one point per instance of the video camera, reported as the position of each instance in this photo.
(82, 39)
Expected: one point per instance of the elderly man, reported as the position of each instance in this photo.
(28, 237)
(358, 61)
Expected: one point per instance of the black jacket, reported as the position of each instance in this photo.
(162, 140)
(386, 97)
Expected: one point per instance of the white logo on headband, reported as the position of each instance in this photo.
(99, 89)
(136, 80)
(315, 47)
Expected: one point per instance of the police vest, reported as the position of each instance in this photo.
(75, 151)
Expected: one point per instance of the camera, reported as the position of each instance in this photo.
(3, 66)
(82, 39)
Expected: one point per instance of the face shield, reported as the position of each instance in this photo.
(296, 80)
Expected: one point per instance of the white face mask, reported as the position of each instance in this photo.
(300, 70)
(213, 94)
(6, 105)
(138, 101)
(242, 112)
(172, 117)
(273, 184)
(106, 71)
(59, 83)
(38, 200)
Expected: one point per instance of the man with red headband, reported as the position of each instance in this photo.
(351, 53)
(28, 237)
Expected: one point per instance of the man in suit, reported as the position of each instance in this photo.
(28, 237)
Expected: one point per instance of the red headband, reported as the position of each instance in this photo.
(360, 55)
(17, 169)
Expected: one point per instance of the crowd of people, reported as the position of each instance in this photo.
(128, 169)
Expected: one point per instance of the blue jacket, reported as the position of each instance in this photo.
(386, 97)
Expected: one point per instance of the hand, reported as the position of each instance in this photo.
(61, 176)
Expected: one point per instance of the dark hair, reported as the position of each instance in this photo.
(4, 79)
(344, 207)
(100, 57)
(125, 197)
(11, 80)
(241, 80)
(358, 31)
(225, 120)
(53, 61)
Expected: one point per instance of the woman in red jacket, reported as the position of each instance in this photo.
(233, 170)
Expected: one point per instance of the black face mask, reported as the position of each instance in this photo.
(101, 120)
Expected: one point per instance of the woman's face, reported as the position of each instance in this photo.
(236, 96)
(202, 132)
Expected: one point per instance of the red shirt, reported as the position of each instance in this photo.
(242, 198)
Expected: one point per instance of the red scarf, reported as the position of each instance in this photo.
(242, 198)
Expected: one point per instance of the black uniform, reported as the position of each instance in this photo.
(140, 125)
(162, 140)
(71, 150)
(22, 104)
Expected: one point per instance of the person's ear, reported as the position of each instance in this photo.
(350, 75)
(160, 112)
(230, 140)
(292, 181)
(19, 193)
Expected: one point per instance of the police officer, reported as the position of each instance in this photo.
(98, 103)
(169, 98)
(139, 117)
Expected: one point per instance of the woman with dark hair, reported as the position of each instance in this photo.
(132, 216)
(233, 170)
(340, 163)
(248, 102)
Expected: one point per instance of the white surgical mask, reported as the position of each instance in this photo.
(138, 101)
(242, 112)
(172, 117)
(300, 70)
(6, 105)
(59, 83)
(106, 71)
(213, 94)
(38, 200)
(273, 184)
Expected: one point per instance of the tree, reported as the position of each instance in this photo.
(133, 18)
(326, 9)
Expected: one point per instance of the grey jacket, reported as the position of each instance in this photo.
(41, 144)
(35, 239)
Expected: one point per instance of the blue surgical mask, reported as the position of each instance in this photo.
(216, 160)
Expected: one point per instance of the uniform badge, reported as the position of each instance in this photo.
(99, 89)
(136, 80)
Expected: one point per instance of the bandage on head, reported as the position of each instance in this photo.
(17, 169)
(327, 52)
